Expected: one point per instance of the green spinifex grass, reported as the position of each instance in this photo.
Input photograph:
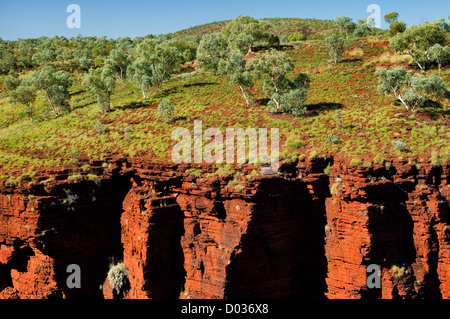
(364, 132)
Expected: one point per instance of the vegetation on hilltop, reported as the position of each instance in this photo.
(375, 95)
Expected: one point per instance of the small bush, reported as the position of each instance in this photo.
(128, 132)
(289, 158)
(239, 188)
(435, 159)
(313, 154)
(166, 111)
(400, 146)
(70, 198)
(356, 162)
(118, 277)
(75, 154)
(225, 171)
(92, 177)
(294, 143)
(337, 118)
(378, 160)
(399, 272)
(48, 180)
(327, 170)
(75, 178)
(333, 139)
(99, 128)
(194, 172)
(297, 36)
(85, 168)
(334, 189)
(13, 182)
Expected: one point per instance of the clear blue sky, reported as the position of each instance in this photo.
(113, 18)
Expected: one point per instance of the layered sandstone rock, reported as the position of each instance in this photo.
(397, 218)
(42, 232)
(199, 237)
(297, 234)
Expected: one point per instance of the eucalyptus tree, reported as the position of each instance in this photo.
(101, 82)
(54, 87)
(286, 94)
(411, 91)
(211, 49)
(243, 32)
(336, 47)
(417, 42)
(24, 94)
(239, 74)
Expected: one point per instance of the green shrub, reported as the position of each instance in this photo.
(166, 111)
(92, 177)
(356, 162)
(194, 172)
(225, 171)
(70, 198)
(273, 40)
(327, 170)
(334, 189)
(294, 143)
(48, 180)
(297, 36)
(333, 139)
(128, 132)
(378, 160)
(399, 272)
(313, 154)
(98, 127)
(75, 178)
(11, 181)
(400, 146)
(118, 277)
(435, 160)
(74, 154)
(85, 168)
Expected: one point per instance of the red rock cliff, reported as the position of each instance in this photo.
(293, 235)
(397, 218)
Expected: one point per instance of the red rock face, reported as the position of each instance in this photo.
(295, 235)
(151, 231)
(397, 219)
(213, 231)
(41, 235)
(207, 241)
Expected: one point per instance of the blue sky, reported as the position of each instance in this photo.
(113, 18)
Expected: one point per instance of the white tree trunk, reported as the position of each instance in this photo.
(245, 96)
(399, 97)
